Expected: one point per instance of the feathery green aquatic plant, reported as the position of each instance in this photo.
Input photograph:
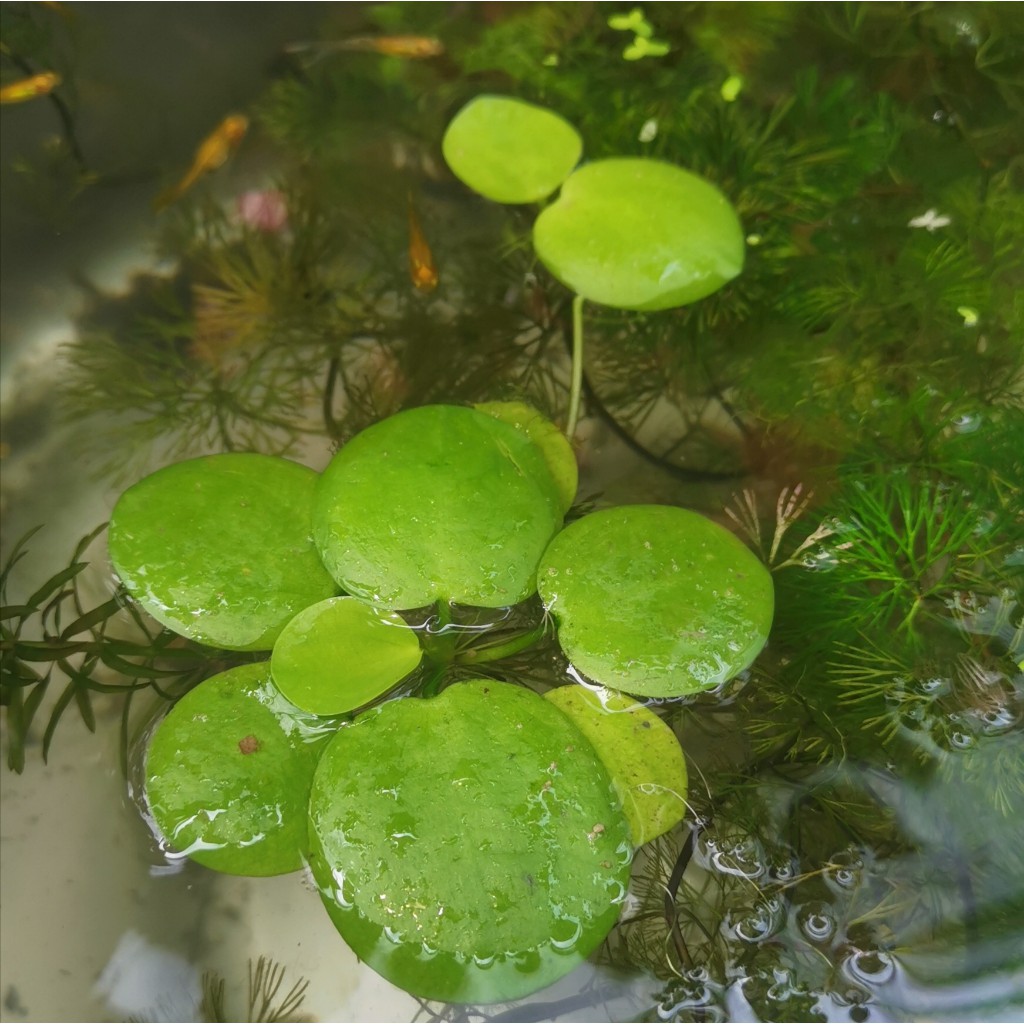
(107, 649)
(265, 978)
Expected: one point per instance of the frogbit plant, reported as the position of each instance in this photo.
(629, 233)
(473, 845)
(471, 842)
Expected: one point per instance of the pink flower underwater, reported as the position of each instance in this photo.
(264, 210)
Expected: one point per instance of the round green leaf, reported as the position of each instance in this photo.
(470, 848)
(640, 234)
(219, 548)
(554, 445)
(228, 773)
(509, 150)
(438, 503)
(340, 654)
(655, 600)
(639, 750)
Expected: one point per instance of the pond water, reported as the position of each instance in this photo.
(851, 406)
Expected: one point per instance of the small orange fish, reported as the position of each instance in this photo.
(29, 88)
(421, 260)
(210, 155)
(408, 47)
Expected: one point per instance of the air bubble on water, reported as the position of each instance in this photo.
(961, 740)
(754, 924)
(912, 715)
(742, 858)
(693, 991)
(843, 871)
(820, 560)
(569, 942)
(935, 686)
(783, 987)
(870, 967)
(894, 693)
(999, 719)
(784, 869)
(816, 921)
(967, 423)
(338, 893)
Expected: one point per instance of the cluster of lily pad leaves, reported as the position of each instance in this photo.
(476, 845)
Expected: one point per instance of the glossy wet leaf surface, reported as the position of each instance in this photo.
(655, 600)
(640, 234)
(639, 750)
(340, 654)
(219, 548)
(470, 847)
(509, 150)
(228, 773)
(557, 451)
(437, 503)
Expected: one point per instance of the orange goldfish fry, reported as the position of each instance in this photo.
(421, 260)
(407, 47)
(213, 151)
(29, 88)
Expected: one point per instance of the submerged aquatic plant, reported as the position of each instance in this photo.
(52, 635)
(895, 549)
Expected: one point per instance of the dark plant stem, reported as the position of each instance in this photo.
(672, 890)
(495, 652)
(432, 685)
(439, 645)
(332, 425)
(66, 120)
(597, 406)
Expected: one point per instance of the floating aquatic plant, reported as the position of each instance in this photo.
(649, 778)
(655, 601)
(477, 871)
(511, 151)
(228, 773)
(632, 234)
(218, 548)
(492, 509)
(230, 770)
(640, 234)
(380, 650)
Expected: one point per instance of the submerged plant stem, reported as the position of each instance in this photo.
(495, 652)
(671, 891)
(432, 685)
(577, 366)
